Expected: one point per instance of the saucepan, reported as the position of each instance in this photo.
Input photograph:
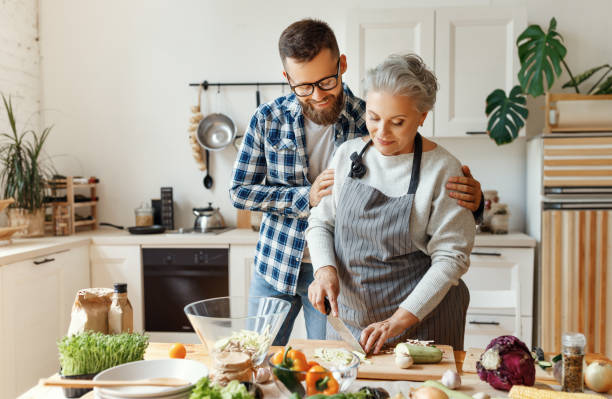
(216, 131)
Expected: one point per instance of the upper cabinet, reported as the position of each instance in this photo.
(475, 54)
(375, 34)
(471, 49)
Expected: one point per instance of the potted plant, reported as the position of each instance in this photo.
(541, 55)
(23, 174)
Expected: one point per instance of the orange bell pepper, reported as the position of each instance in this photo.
(320, 380)
(292, 359)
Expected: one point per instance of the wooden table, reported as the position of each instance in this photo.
(470, 382)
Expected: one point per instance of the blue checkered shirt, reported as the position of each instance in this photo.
(270, 176)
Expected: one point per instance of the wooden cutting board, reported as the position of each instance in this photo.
(383, 367)
(473, 355)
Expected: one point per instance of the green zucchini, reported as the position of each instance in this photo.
(419, 353)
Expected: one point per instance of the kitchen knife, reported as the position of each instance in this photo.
(342, 330)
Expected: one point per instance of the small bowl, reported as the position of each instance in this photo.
(345, 375)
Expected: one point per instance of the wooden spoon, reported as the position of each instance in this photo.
(74, 383)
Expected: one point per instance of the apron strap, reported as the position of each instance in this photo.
(358, 169)
(416, 164)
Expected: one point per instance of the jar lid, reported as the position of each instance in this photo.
(120, 287)
(144, 207)
(573, 339)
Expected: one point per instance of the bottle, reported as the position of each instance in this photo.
(572, 379)
(120, 314)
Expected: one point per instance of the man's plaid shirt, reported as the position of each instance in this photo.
(270, 176)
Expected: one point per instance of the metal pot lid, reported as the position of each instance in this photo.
(209, 208)
(216, 131)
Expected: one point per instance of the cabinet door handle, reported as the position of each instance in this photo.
(487, 253)
(488, 323)
(474, 133)
(46, 260)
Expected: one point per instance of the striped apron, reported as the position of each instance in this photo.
(379, 266)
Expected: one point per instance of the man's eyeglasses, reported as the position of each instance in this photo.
(325, 84)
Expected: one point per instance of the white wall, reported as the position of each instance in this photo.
(19, 66)
(115, 77)
(20, 62)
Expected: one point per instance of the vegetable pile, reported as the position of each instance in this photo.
(204, 389)
(91, 352)
(292, 368)
(506, 362)
(254, 343)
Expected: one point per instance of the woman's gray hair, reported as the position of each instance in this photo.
(404, 75)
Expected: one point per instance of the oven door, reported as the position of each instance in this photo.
(176, 277)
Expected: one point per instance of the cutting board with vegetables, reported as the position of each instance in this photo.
(382, 366)
(473, 355)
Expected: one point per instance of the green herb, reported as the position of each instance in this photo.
(204, 389)
(89, 352)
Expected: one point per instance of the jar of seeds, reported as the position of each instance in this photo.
(573, 357)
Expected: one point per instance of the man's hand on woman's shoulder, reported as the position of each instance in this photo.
(465, 189)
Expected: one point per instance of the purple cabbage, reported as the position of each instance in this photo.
(506, 362)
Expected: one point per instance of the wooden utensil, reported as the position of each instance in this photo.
(74, 383)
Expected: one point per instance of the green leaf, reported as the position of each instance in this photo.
(583, 76)
(540, 54)
(506, 114)
(605, 87)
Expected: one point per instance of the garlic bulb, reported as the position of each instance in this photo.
(403, 360)
(481, 395)
(451, 379)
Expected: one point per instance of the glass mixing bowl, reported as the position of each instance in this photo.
(238, 323)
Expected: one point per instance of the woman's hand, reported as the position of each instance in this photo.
(376, 334)
(325, 284)
(465, 189)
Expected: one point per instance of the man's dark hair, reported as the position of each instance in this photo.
(304, 40)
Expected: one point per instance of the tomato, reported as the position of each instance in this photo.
(178, 351)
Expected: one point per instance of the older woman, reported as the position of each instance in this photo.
(389, 246)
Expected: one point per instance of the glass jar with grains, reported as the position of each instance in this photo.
(144, 215)
(573, 357)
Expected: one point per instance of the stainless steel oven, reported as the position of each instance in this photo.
(175, 277)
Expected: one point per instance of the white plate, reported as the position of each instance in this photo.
(182, 395)
(188, 370)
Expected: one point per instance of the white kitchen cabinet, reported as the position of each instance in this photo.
(374, 34)
(471, 49)
(475, 54)
(501, 281)
(120, 264)
(241, 258)
(36, 297)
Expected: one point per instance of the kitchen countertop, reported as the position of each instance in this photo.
(28, 248)
(470, 383)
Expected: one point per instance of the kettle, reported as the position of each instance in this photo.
(207, 219)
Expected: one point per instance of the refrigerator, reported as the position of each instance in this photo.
(569, 212)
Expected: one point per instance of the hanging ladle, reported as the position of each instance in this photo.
(208, 180)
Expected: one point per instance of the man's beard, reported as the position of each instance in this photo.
(326, 116)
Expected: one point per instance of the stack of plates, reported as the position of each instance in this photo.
(188, 370)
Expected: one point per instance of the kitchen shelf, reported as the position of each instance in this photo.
(85, 222)
(63, 213)
(76, 204)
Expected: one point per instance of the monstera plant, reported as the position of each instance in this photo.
(541, 55)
